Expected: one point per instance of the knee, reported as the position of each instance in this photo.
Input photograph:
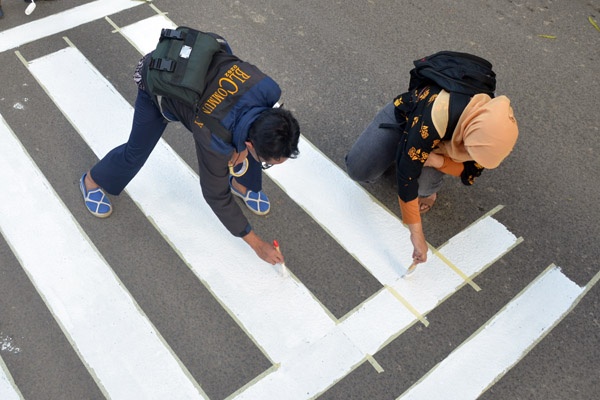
(357, 171)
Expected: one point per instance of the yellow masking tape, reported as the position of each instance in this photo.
(406, 304)
(455, 269)
(375, 364)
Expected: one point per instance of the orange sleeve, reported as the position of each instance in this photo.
(451, 167)
(410, 211)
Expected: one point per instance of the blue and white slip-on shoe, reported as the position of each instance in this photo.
(95, 200)
(257, 202)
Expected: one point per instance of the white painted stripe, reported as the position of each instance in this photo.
(309, 371)
(144, 35)
(487, 355)
(471, 250)
(62, 21)
(280, 314)
(377, 321)
(377, 238)
(117, 343)
(286, 322)
(482, 242)
(8, 389)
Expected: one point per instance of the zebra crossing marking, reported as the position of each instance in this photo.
(138, 34)
(327, 167)
(374, 304)
(116, 342)
(502, 342)
(375, 309)
(348, 338)
(52, 24)
(246, 285)
(8, 388)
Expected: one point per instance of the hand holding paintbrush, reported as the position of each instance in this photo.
(283, 267)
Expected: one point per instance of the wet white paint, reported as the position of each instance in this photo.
(117, 343)
(144, 34)
(485, 357)
(8, 389)
(62, 21)
(319, 352)
(371, 233)
(280, 314)
(375, 322)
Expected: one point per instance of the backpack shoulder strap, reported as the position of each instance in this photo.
(214, 126)
(458, 102)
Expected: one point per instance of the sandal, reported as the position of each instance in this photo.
(257, 202)
(426, 203)
(95, 200)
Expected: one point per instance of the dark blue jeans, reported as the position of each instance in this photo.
(252, 179)
(122, 163)
(114, 172)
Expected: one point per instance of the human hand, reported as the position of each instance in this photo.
(434, 160)
(266, 251)
(420, 247)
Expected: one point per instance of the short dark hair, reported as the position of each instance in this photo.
(275, 134)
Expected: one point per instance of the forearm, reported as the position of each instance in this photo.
(412, 219)
(252, 239)
(228, 212)
(444, 164)
(416, 230)
(214, 181)
(410, 211)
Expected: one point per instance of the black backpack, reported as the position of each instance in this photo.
(461, 74)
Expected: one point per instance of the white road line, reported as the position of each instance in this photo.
(280, 314)
(311, 351)
(314, 368)
(502, 342)
(377, 238)
(472, 250)
(365, 228)
(144, 35)
(62, 21)
(117, 343)
(8, 389)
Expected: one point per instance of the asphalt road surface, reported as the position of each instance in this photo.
(159, 301)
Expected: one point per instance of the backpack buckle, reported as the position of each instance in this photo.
(162, 64)
(166, 33)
